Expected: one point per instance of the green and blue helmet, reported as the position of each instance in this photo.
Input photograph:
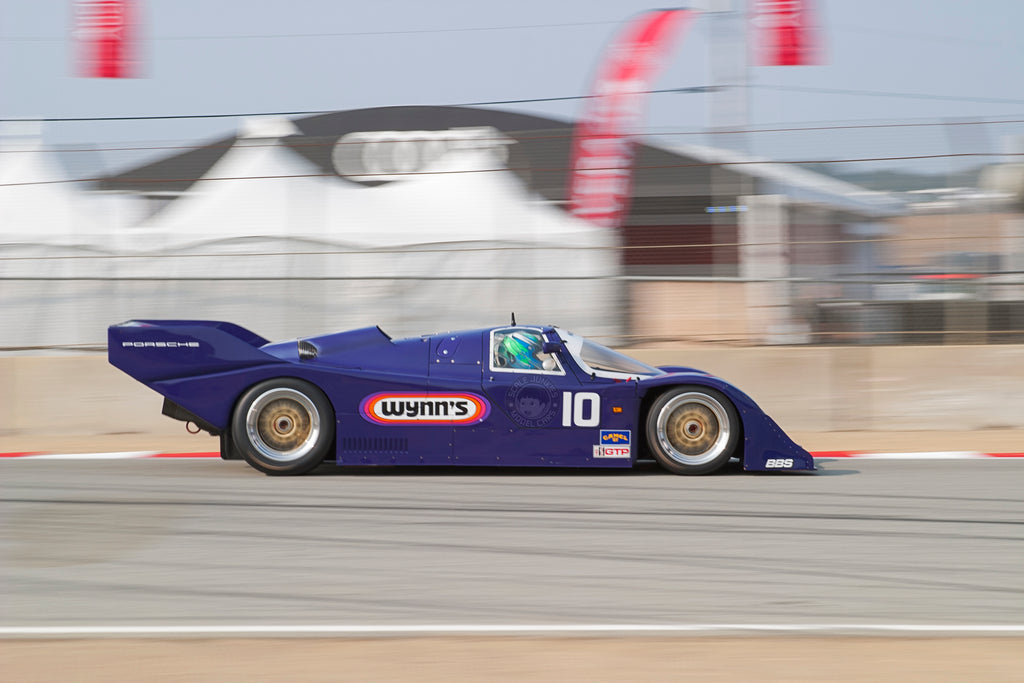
(520, 349)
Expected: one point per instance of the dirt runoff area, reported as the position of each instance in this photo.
(538, 660)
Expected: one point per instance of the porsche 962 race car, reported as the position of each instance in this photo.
(516, 395)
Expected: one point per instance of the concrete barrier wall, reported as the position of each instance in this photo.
(807, 389)
(897, 388)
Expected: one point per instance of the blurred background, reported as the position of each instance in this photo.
(784, 174)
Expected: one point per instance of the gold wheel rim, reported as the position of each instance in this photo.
(283, 424)
(693, 428)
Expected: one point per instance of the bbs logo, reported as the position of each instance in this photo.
(778, 463)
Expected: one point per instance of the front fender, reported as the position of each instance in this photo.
(766, 447)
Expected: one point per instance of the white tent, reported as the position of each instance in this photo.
(258, 188)
(266, 241)
(261, 189)
(37, 204)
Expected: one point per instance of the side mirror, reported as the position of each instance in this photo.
(552, 347)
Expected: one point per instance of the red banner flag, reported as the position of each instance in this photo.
(785, 33)
(602, 150)
(105, 36)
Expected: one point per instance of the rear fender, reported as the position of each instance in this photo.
(213, 397)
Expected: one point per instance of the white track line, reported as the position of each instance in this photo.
(123, 455)
(495, 629)
(935, 455)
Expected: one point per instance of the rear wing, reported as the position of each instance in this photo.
(156, 350)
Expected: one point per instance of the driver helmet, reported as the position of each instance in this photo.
(520, 350)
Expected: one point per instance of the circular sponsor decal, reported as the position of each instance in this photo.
(532, 401)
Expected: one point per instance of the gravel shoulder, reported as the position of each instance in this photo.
(562, 660)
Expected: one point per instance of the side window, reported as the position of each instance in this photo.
(520, 349)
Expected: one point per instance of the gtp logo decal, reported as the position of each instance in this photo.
(614, 444)
(424, 409)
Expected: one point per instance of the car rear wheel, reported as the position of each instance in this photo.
(693, 430)
(283, 426)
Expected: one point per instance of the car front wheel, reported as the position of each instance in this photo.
(283, 426)
(693, 430)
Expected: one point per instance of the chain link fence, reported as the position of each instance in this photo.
(717, 249)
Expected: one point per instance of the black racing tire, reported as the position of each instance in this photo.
(693, 430)
(283, 426)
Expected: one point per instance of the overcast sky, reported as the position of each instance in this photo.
(953, 59)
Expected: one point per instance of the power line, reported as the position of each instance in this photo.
(164, 117)
(313, 112)
(701, 89)
(945, 40)
(881, 93)
(344, 34)
(333, 250)
(750, 162)
(146, 146)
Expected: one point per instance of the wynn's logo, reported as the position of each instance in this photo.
(424, 409)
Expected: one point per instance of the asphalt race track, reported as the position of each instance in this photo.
(205, 542)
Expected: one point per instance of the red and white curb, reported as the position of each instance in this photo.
(120, 455)
(823, 455)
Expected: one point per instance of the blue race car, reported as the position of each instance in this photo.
(516, 395)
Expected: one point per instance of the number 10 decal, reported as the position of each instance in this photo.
(582, 409)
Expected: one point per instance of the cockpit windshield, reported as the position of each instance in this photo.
(597, 358)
